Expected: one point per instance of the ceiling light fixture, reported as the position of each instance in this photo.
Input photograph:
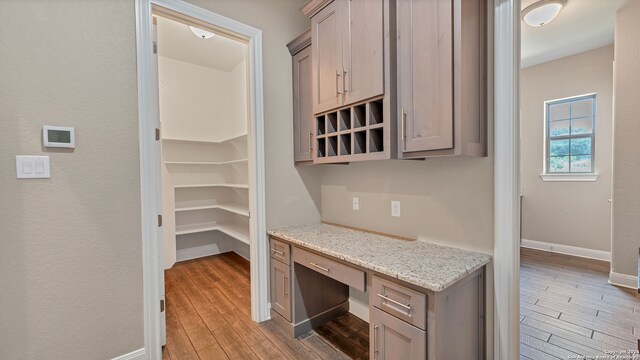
(542, 12)
(202, 34)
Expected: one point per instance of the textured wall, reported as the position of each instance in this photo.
(626, 166)
(70, 255)
(567, 213)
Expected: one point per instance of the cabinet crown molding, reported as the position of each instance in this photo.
(312, 7)
(299, 43)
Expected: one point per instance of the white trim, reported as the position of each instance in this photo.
(575, 177)
(506, 257)
(149, 190)
(134, 355)
(624, 280)
(150, 164)
(198, 252)
(567, 250)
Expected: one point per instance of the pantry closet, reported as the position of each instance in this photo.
(203, 114)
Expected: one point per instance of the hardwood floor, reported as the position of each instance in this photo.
(568, 308)
(209, 317)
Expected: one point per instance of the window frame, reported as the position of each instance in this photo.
(567, 175)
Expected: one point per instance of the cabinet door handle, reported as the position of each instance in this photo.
(320, 267)
(284, 286)
(403, 119)
(338, 92)
(375, 341)
(310, 141)
(277, 252)
(407, 307)
(344, 81)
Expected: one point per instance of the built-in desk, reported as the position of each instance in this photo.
(426, 301)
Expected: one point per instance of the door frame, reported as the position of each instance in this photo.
(506, 254)
(150, 160)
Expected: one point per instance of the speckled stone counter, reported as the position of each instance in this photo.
(433, 267)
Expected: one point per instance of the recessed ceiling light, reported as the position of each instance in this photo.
(542, 12)
(203, 34)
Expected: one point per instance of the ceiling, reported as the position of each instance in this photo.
(582, 25)
(176, 41)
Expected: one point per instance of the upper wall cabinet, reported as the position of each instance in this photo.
(441, 77)
(347, 53)
(353, 71)
(300, 49)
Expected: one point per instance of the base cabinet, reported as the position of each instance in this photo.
(392, 338)
(280, 289)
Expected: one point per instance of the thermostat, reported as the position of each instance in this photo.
(59, 136)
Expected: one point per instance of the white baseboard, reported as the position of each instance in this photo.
(624, 280)
(567, 250)
(134, 355)
(198, 252)
(242, 250)
(359, 304)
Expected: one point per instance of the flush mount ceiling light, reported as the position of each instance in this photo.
(542, 12)
(202, 34)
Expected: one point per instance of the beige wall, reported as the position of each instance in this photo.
(71, 249)
(199, 103)
(567, 213)
(626, 166)
(70, 255)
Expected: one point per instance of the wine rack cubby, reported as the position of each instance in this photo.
(353, 133)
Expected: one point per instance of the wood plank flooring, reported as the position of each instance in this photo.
(209, 317)
(568, 308)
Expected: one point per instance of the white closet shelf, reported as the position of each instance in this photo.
(230, 207)
(238, 137)
(238, 186)
(229, 162)
(237, 231)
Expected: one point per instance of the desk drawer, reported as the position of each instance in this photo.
(280, 251)
(400, 301)
(333, 269)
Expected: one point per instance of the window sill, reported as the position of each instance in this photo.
(570, 177)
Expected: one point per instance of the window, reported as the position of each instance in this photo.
(570, 135)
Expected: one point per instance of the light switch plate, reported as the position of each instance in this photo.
(32, 167)
(395, 208)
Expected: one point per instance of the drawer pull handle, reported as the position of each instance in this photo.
(320, 267)
(277, 252)
(407, 306)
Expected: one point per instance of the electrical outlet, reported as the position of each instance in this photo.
(395, 208)
(356, 203)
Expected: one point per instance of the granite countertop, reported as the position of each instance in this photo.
(431, 266)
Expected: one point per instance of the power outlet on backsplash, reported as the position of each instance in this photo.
(395, 208)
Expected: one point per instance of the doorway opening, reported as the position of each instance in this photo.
(568, 305)
(202, 164)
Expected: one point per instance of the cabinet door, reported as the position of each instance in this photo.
(280, 289)
(363, 50)
(302, 107)
(326, 42)
(394, 338)
(425, 74)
